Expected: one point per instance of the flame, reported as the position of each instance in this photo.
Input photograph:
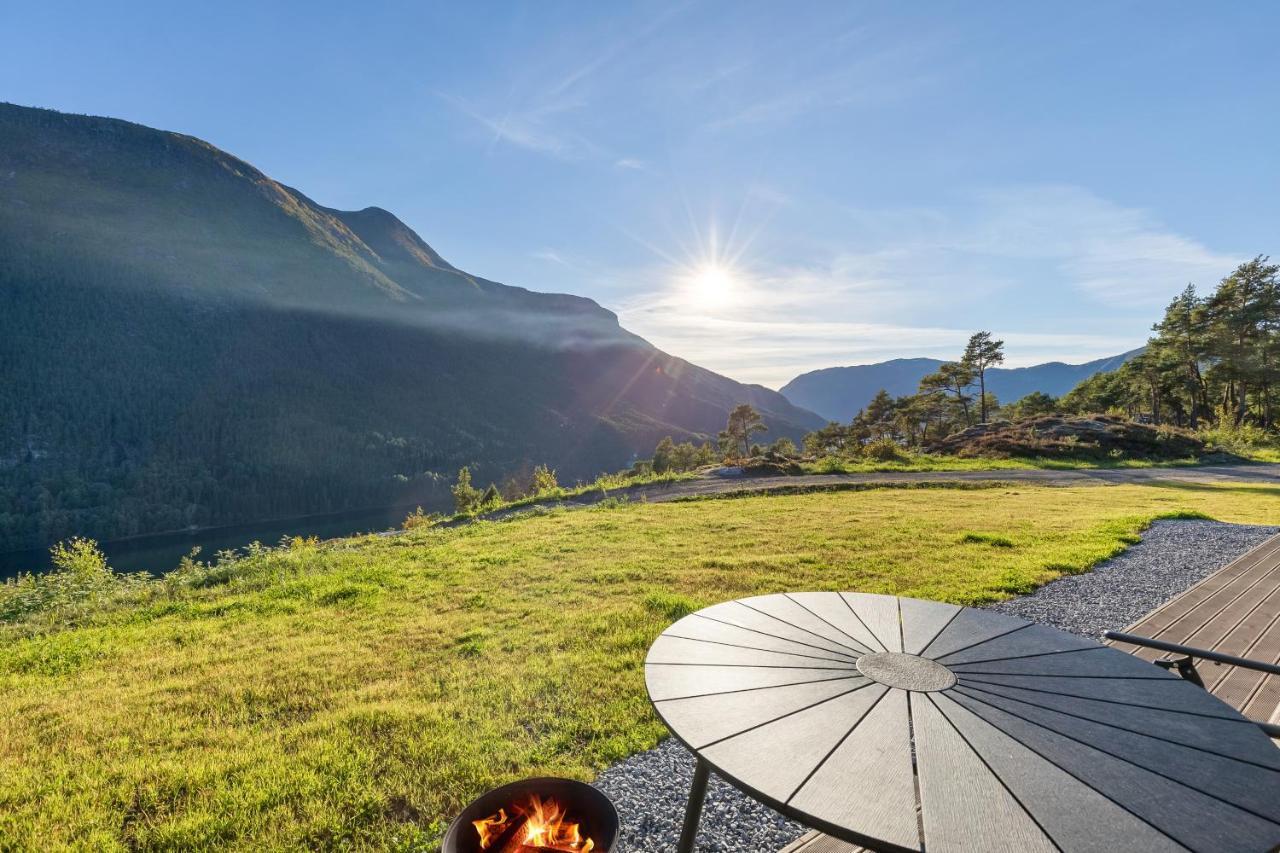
(491, 827)
(546, 826)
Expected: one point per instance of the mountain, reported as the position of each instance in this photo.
(838, 393)
(186, 341)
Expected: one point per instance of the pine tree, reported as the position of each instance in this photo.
(744, 422)
(981, 353)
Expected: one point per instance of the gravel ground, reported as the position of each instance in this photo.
(1172, 556)
(650, 788)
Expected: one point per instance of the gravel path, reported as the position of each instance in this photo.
(650, 788)
(1172, 556)
(711, 486)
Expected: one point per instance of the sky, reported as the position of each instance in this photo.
(762, 188)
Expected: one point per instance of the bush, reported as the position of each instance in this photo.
(418, 519)
(79, 581)
(882, 450)
(80, 557)
(544, 481)
(784, 447)
(1243, 437)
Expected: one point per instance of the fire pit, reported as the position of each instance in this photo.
(536, 816)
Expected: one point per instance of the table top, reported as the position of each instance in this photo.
(1023, 737)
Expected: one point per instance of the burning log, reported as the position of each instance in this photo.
(502, 834)
(536, 826)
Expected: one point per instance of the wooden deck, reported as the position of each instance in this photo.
(1236, 610)
(816, 842)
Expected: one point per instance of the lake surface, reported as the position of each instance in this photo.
(161, 553)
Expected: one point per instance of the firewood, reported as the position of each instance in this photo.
(512, 838)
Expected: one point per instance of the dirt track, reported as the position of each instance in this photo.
(710, 486)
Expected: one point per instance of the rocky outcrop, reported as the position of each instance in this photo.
(1095, 437)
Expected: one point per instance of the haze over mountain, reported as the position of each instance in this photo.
(838, 393)
(186, 342)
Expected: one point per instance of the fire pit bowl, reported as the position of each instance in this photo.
(581, 804)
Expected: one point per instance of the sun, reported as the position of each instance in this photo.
(711, 285)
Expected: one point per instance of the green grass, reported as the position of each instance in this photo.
(359, 692)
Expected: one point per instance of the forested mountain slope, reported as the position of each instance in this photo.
(838, 393)
(185, 341)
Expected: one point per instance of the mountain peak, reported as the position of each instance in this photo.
(392, 240)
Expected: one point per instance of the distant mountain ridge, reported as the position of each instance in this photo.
(838, 393)
(186, 341)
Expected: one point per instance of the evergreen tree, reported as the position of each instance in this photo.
(744, 422)
(954, 378)
(981, 353)
(465, 496)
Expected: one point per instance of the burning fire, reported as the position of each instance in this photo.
(535, 825)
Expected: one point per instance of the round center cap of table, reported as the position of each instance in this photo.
(906, 672)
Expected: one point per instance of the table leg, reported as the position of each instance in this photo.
(693, 812)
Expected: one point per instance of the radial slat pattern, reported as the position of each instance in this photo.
(1044, 741)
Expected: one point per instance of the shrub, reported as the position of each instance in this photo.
(784, 447)
(882, 450)
(1240, 438)
(418, 519)
(79, 580)
(544, 481)
(80, 557)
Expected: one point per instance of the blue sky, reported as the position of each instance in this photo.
(762, 188)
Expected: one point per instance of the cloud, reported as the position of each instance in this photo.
(534, 128)
(805, 75)
(630, 163)
(1117, 256)
(912, 282)
(550, 255)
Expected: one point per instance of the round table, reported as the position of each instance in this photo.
(901, 724)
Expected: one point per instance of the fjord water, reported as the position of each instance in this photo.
(160, 553)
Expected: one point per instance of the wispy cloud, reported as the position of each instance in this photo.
(549, 255)
(537, 112)
(807, 75)
(533, 128)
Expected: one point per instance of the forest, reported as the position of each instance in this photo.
(1214, 360)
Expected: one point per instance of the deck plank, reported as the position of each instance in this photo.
(1235, 610)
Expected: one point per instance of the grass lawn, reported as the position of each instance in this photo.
(360, 692)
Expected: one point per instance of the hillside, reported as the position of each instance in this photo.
(357, 694)
(186, 342)
(837, 393)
